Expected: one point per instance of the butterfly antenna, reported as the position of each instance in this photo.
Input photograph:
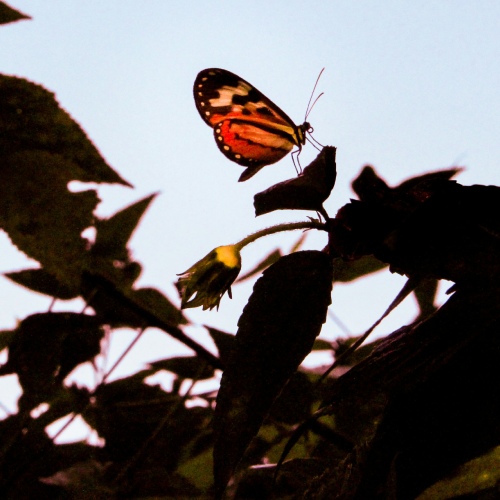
(313, 104)
(309, 107)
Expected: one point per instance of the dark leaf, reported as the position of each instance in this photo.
(157, 482)
(106, 283)
(276, 332)
(83, 480)
(114, 233)
(190, 367)
(454, 234)
(345, 271)
(298, 244)
(371, 188)
(158, 305)
(224, 343)
(41, 281)
(137, 419)
(114, 306)
(322, 345)
(308, 191)
(82, 343)
(292, 481)
(119, 305)
(424, 401)
(294, 403)
(45, 348)
(198, 469)
(21, 449)
(476, 479)
(64, 401)
(32, 120)
(9, 15)
(270, 259)
(295, 475)
(42, 218)
(341, 346)
(6, 337)
(28, 454)
(437, 228)
(429, 178)
(367, 227)
(126, 412)
(425, 293)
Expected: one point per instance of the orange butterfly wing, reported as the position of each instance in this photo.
(249, 128)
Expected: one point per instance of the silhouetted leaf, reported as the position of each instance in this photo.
(429, 178)
(158, 304)
(6, 337)
(447, 364)
(31, 120)
(64, 401)
(436, 229)
(39, 280)
(28, 454)
(425, 293)
(268, 260)
(322, 345)
(224, 342)
(185, 367)
(157, 482)
(42, 218)
(370, 187)
(343, 345)
(82, 480)
(46, 347)
(140, 420)
(128, 307)
(106, 292)
(276, 331)
(350, 270)
(114, 233)
(126, 412)
(298, 244)
(453, 235)
(477, 478)
(116, 306)
(198, 469)
(9, 15)
(82, 343)
(294, 403)
(308, 191)
(291, 483)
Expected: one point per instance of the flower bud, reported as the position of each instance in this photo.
(210, 278)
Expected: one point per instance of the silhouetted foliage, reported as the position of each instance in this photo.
(415, 414)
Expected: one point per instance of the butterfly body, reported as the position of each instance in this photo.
(249, 128)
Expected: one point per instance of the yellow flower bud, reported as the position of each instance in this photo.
(210, 278)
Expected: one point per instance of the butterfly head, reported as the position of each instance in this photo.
(302, 130)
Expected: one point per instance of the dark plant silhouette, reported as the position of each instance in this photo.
(415, 414)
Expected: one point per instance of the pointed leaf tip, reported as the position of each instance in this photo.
(308, 191)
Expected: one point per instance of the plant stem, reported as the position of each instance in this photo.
(291, 226)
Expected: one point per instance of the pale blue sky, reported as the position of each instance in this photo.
(409, 87)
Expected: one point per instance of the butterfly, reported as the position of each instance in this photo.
(249, 128)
